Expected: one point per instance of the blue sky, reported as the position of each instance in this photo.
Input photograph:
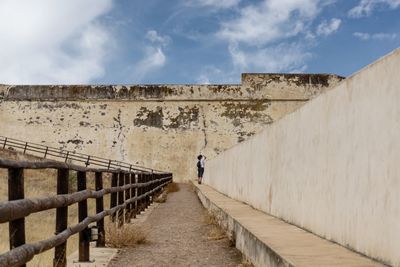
(189, 41)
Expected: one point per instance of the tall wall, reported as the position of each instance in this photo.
(161, 126)
(331, 167)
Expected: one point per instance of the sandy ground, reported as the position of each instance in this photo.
(178, 237)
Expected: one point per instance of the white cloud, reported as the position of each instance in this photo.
(153, 60)
(280, 58)
(154, 57)
(260, 38)
(375, 36)
(327, 28)
(362, 35)
(47, 41)
(269, 21)
(154, 37)
(209, 74)
(203, 79)
(214, 3)
(366, 7)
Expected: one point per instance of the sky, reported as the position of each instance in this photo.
(189, 41)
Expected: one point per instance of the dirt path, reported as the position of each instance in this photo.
(178, 237)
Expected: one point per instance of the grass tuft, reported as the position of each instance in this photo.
(161, 198)
(210, 219)
(245, 263)
(127, 235)
(215, 232)
(172, 187)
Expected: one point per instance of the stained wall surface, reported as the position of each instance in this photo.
(161, 126)
(331, 167)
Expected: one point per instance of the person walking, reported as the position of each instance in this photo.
(200, 168)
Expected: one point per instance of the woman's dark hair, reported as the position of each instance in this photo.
(199, 157)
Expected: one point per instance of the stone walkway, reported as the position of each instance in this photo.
(178, 237)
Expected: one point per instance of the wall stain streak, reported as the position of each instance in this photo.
(204, 129)
(119, 128)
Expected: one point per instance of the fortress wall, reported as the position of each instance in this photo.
(331, 167)
(161, 126)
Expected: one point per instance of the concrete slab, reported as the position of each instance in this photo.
(99, 257)
(269, 241)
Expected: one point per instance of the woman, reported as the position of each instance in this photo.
(200, 168)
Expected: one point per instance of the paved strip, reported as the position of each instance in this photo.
(99, 257)
(178, 237)
(291, 244)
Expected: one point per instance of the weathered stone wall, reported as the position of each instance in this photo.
(160, 126)
(331, 167)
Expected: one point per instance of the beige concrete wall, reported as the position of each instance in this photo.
(160, 126)
(331, 167)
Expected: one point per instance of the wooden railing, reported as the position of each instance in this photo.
(74, 157)
(132, 190)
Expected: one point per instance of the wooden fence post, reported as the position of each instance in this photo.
(147, 203)
(101, 241)
(132, 194)
(121, 181)
(113, 197)
(127, 197)
(135, 191)
(16, 191)
(153, 186)
(143, 191)
(150, 188)
(159, 177)
(140, 193)
(60, 257)
(82, 214)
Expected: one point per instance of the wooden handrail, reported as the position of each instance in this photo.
(21, 208)
(46, 151)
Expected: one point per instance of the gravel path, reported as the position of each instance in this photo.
(178, 237)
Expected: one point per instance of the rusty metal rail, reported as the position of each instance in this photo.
(74, 157)
(131, 192)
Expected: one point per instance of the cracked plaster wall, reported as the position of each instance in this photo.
(159, 126)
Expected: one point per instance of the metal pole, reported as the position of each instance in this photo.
(66, 157)
(5, 142)
(45, 153)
